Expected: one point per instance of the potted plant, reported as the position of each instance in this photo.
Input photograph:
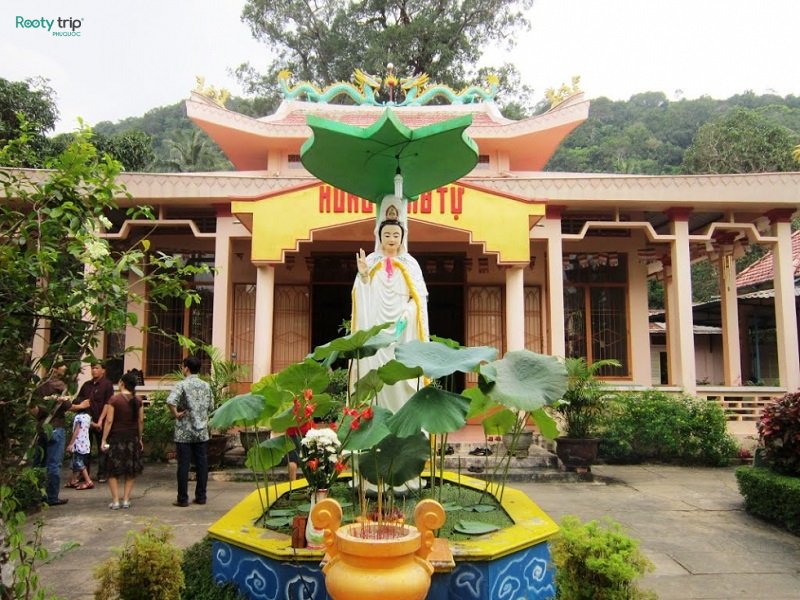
(159, 428)
(222, 378)
(579, 410)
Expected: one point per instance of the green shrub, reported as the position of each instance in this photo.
(147, 568)
(771, 496)
(27, 488)
(20, 551)
(159, 427)
(200, 583)
(779, 434)
(597, 561)
(653, 425)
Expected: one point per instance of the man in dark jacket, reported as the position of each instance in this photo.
(93, 395)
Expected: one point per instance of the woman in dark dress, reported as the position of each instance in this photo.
(122, 440)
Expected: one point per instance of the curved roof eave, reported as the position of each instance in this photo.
(246, 141)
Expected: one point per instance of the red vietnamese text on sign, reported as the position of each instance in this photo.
(443, 200)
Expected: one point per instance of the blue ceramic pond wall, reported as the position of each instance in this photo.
(508, 564)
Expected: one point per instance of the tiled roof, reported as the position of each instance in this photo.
(410, 119)
(660, 327)
(763, 269)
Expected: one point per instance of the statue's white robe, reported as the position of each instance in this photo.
(384, 298)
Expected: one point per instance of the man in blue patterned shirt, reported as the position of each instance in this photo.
(190, 402)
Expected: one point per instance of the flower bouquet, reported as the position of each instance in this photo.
(319, 457)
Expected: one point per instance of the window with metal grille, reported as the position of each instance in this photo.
(484, 319)
(533, 319)
(244, 326)
(596, 314)
(291, 339)
(170, 316)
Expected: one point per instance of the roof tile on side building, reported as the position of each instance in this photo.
(763, 269)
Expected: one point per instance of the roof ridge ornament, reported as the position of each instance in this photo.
(370, 90)
(564, 93)
(217, 96)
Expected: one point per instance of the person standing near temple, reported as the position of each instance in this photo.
(51, 438)
(190, 402)
(93, 395)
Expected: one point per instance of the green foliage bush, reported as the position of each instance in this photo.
(159, 427)
(597, 561)
(20, 550)
(147, 568)
(197, 574)
(653, 425)
(771, 496)
(27, 488)
(779, 434)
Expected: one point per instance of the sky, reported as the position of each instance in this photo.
(132, 56)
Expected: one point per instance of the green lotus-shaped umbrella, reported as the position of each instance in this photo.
(364, 161)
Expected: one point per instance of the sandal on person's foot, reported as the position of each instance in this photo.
(85, 486)
(125, 504)
(72, 484)
(114, 506)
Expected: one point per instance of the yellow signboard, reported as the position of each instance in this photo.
(279, 222)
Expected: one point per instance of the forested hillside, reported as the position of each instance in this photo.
(650, 134)
(647, 134)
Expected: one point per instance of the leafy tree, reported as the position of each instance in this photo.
(741, 141)
(61, 279)
(34, 101)
(132, 148)
(319, 42)
(189, 151)
(168, 127)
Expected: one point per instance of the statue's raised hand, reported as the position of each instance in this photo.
(361, 262)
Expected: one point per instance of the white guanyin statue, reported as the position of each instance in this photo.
(389, 287)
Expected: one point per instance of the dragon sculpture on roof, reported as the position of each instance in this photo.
(370, 90)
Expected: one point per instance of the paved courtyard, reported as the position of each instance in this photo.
(690, 522)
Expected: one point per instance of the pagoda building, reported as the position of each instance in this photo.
(514, 257)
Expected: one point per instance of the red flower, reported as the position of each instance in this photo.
(354, 424)
(308, 394)
(334, 426)
(339, 467)
(305, 427)
(310, 408)
(367, 413)
(312, 463)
